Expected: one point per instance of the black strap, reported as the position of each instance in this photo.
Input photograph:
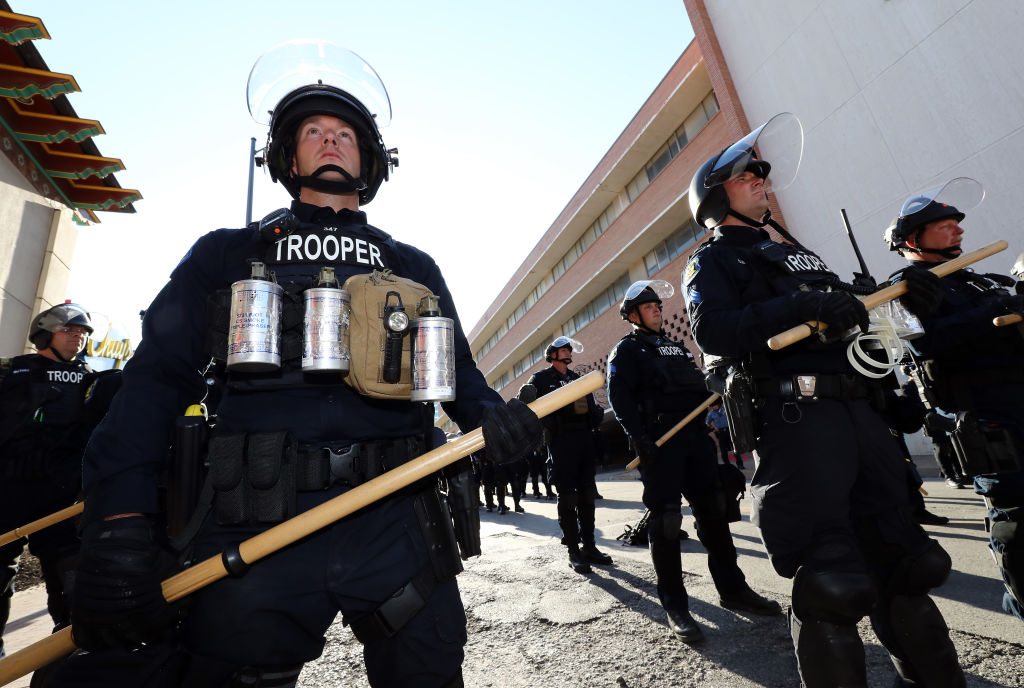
(841, 387)
(397, 610)
(321, 466)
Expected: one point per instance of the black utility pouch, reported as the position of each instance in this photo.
(253, 477)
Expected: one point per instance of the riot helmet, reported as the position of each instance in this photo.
(950, 200)
(62, 315)
(561, 343)
(780, 138)
(644, 291)
(306, 77)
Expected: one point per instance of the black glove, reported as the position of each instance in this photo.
(646, 449)
(511, 432)
(117, 600)
(840, 310)
(924, 291)
(1013, 303)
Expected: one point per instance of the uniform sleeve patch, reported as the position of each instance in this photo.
(691, 270)
(692, 296)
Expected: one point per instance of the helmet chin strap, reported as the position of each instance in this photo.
(58, 354)
(333, 186)
(948, 253)
(767, 219)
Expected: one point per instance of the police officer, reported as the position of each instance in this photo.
(828, 490)
(571, 454)
(285, 441)
(653, 383)
(970, 367)
(45, 422)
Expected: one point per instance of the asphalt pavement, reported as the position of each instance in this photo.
(533, 621)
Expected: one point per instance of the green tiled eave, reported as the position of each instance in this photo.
(62, 135)
(107, 205)
(22, 34)
(86, 172)
(31, 90)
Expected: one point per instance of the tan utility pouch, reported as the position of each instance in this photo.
(579, 407)
(368, 332)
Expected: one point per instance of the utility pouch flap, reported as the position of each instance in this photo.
(368, 333)
(227, 454)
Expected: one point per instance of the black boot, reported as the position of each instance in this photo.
(592, 554)
(576, 560)
(927, 518)
(683, 626)
(747, 600)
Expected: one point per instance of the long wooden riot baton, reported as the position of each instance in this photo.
(1009, 319)
(269, 541)
(677, 427)
(40, 523)
(802, 331)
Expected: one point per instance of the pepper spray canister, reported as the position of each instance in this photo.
(254, 331)
(325, 326)
(433, 354)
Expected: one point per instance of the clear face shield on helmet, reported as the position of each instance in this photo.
(307, 62)
(663, 289)
(562, 342)
(963, 193)
(779, 142)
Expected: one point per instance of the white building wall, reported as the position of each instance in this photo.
(37, 242)
(895, 96)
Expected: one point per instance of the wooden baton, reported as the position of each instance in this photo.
(677, 427)
(802, 331)
(1001, 321)
(40, 523)
(269, 541)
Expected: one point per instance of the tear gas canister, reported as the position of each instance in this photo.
(254, 332)
(325, 326)
(433, 354)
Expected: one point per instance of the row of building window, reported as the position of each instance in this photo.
(654, 261)
(674, 245)
(611, 295)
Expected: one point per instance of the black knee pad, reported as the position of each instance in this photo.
(838, 597)
(917, 574)
(665, 525)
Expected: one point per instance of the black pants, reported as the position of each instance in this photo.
(831, 478)
(687, 467)
(276, 615)
(572, 466)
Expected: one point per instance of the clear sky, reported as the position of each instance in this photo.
(500, 111)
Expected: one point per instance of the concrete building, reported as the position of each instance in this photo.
(52, 180)
(894, 96)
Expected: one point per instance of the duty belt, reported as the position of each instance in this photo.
(812, 387)
(322, 465)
